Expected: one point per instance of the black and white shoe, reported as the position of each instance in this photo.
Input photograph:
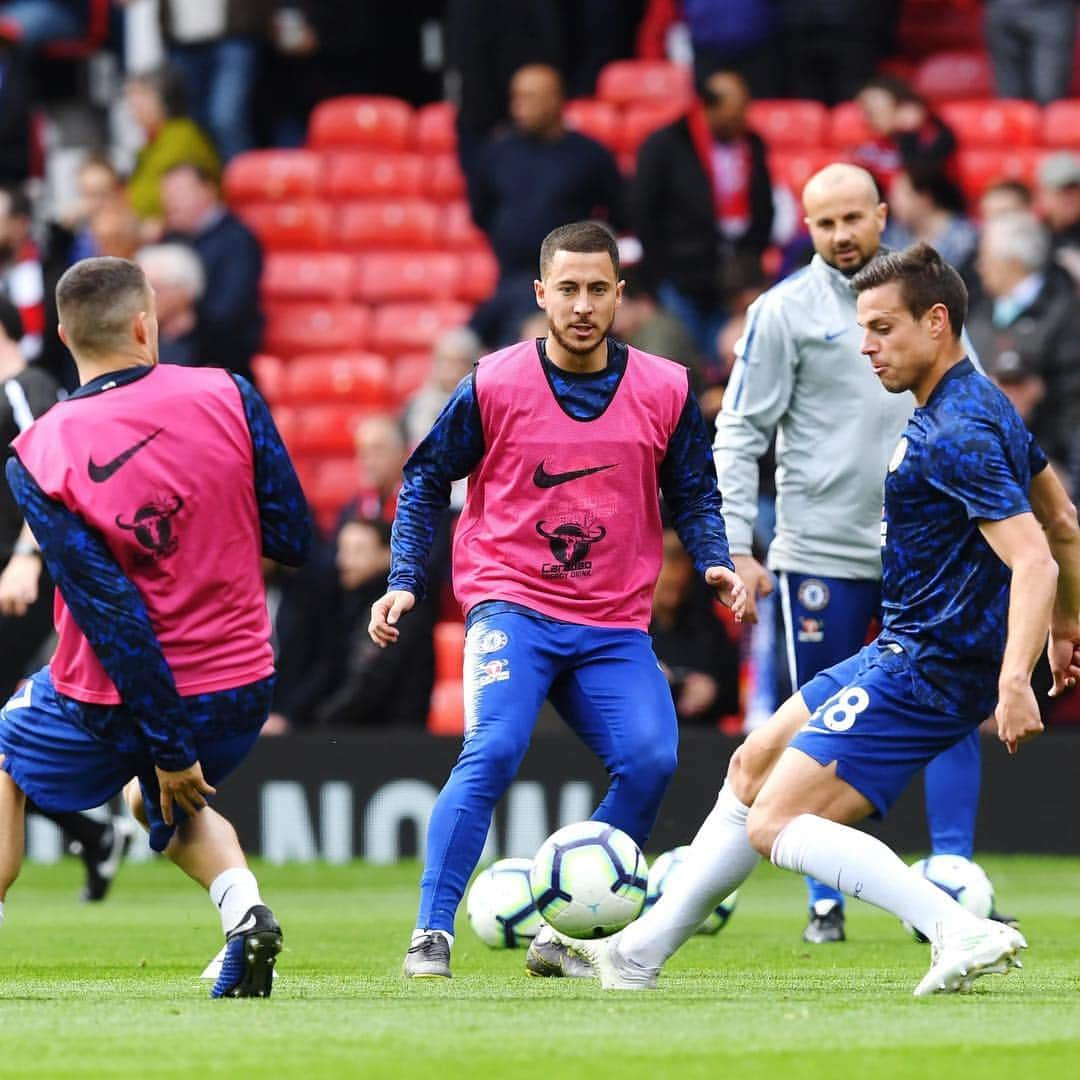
(102, 859)
(251, 950)
(826, 923)
(428, 957)
(549, 958)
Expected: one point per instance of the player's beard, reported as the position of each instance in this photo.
(573, 347)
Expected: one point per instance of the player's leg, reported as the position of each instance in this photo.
(205, 846)
(719, 860)
(12, 832)
(952, 782)
(825, 621)
(509, 662)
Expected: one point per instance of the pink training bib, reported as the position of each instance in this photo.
(163, 469)
(563, 515)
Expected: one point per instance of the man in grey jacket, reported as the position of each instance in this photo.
(799, 375)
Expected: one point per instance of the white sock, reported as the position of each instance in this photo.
(720, 859)
(419, 933)
(862, 866)
(234, 891)
(1, 912)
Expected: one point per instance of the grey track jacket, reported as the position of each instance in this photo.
(799, 372)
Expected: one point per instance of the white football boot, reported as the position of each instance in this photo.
(615, 971)
(959, 959)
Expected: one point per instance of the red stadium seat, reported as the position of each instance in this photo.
(389, 223)
(1061, 124)
(436, 131)
(458, 230)
(355, 378)
(408, 372)
(330, 482)
(287, 226)
(362, 174)
(993, 123)
(979, 167)
(954, 76)
(269, 372)
(329, 428)
(789, 124)
(443, 178)
(362, 121)
(288, 424)
(597, 119)
(447, 713)
(94, 38)
(292, 329)
(308, 275)
(262, 175)
(624, 82)
(848, 126)
(640, 121)
(793, 168)
(408, 275)
(478, 276)
(449, 651)
(405, 327)
(929, 26)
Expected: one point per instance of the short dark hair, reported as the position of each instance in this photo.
(381, 529)
(19, 204)
(900, 91)
(96, 300)
(925, 279)
(169, 85)
(581, 236)
(10, 320)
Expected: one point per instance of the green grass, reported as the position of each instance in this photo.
(111, 990)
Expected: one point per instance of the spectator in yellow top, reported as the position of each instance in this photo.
(156, 102)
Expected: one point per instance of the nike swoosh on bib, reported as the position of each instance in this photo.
(836, 334)
(544, 479)
(100, 473)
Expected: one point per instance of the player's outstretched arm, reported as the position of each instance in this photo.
(1057, 515)
(1020, 543)
(385, 613)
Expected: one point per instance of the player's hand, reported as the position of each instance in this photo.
(729, 588)
(385, 613)
(19, 584)
(1063, 652)
(187, 787)
(758, 581)
(1017, 716)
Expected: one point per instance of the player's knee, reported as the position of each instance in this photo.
(763, 825)
(133, 798)
(748, 770)
(497, 759)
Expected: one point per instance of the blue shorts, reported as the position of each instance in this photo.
(866, 718)
(61, 766)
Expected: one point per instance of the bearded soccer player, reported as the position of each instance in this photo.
(981, 559)
(153, 492)
(567, 442)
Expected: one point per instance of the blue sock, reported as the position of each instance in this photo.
(952, 782)
(817, 891)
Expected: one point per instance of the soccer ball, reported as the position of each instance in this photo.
(500, 906)
(589, 880)
(964, 880)
(660, 876)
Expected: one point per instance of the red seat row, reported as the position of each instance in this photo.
(350, 377)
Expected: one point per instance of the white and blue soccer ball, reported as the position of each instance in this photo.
(965, 881)
(500, 905)
(661, 874)
(589, 880)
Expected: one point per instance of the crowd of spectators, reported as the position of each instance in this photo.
(705, 225)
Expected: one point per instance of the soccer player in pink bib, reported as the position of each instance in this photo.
(567, 442)
(153, 492)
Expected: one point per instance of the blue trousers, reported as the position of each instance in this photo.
(825, 621)
(605, 683)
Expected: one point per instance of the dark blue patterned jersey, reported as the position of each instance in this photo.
(965, 457)
(455, 446)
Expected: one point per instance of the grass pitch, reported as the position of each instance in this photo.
(112, 990)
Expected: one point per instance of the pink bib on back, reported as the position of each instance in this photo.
(563, 515)
(163, 469)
